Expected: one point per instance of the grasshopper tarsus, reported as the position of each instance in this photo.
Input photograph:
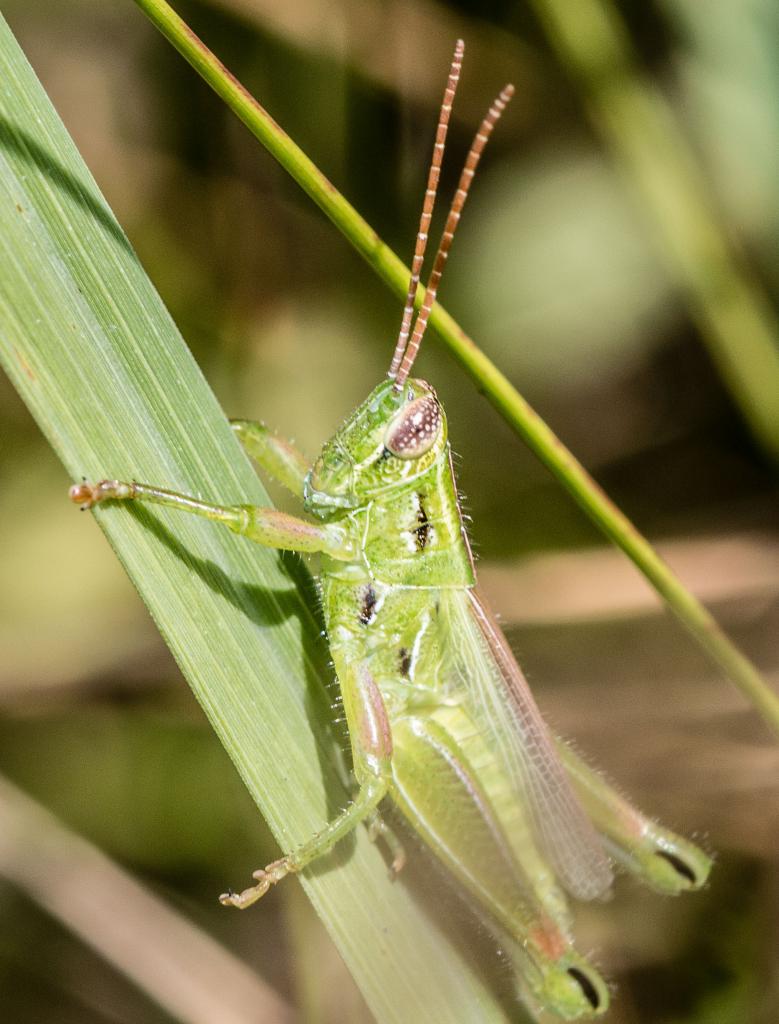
(88, 495)
(265, 878)
(242, 900)
(397, 865)
(379, 829)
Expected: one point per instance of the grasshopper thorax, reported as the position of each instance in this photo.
(393, 438)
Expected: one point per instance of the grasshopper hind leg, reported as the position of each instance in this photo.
(438, 791)
(570, 988)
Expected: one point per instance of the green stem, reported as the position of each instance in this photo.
(509, 403)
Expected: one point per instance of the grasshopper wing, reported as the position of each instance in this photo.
(506, 710)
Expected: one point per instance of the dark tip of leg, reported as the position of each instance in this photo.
(680, 867)
(587, 987)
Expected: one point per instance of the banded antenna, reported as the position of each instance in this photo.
(401, 364)
(428, 204)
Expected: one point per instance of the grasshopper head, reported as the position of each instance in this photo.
(392, 438)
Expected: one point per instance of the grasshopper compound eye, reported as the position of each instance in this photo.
(415, 429)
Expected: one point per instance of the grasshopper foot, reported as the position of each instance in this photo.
(88, 495)
(379, 829)
(265, 877)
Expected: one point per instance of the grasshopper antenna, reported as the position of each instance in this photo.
(429, 203)
(458, 202)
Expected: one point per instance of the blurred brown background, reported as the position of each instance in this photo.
(558, 275)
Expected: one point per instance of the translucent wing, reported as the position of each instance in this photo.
(507, 712)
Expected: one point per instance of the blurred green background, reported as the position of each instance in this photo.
(558, 274)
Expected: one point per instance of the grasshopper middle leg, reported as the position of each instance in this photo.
(368, 797)
(371, 754)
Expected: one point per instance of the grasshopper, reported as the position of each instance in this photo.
(441, 720)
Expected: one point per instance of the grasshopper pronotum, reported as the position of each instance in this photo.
(441, 720)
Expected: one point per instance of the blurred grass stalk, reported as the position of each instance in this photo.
(732, 312)
(506, 399)
(179, 966)
(95, 355)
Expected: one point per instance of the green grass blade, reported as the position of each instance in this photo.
(93, 352)
(506, 399)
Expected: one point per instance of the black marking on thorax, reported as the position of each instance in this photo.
(368, 601)
(422, 532)
(404, 662)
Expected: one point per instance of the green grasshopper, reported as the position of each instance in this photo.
(440, 717)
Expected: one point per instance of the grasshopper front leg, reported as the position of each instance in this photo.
(265, 526)
(277, 456)
(372, 754)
